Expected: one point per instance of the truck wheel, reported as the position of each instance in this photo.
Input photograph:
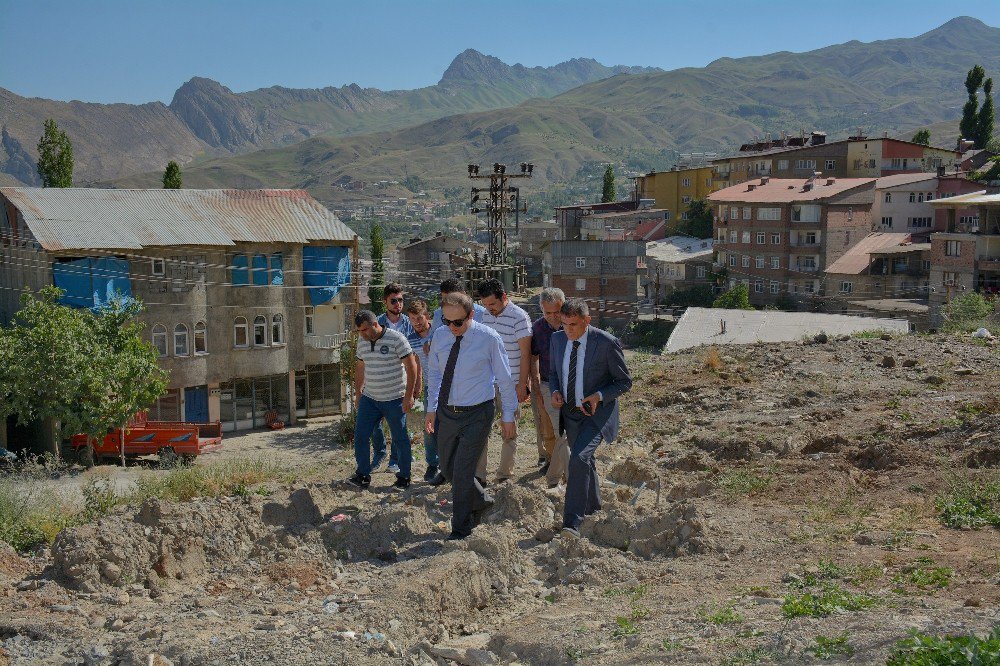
(85, 456)
(168, 457)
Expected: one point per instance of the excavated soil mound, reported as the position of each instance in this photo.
(523, 505)
(175, 540)
(379, 532)
(831, 443)
(632, 472)
(11, 564)
(581, 562)
(679, 531)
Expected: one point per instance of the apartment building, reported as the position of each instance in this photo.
(677, 262)
(533, 241)
(966, 256)
(778, 235)
(425, 262)
(673, 191)
(605, 273)
(247, 293)
(645, 223)
(884, 266)
(570, 218)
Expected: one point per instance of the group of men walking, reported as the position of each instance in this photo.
(472, 361)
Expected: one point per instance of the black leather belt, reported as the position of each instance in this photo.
(458, 409)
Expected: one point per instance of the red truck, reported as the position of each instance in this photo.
(168, 439)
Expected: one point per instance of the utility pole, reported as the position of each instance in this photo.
(501, 199)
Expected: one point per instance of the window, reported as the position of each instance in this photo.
(782, 165)
(913, 197)
(684, 215)
(888, 197)
(775, 263)
(605, 261)
(734, 212)
(759, 262)
(260, 270)
(920, 222)
(722, 235)
(238, 270)
(708, 182)
(277, 269)
(746, 236)
(732, 260)
(970, 221)
(805, 164)
(810, 238)
(925, 265)
(604, 282)
(949, 278)
(277, 330)
(746, 261)
(158, 268)
(758, 286)
(700, 271)
(774, 287)
(831, 164)
(900, 163)
(846, 287)
(768, 213)
(807, 263)
(310, 325)
(776, 239)
(809, 287)
(259, 331)
(581, 262)
(761, 238)
(200, 338)
(887, 222)
(953, 248)
(806, 213)
(747, 213)
(160, 339)
(685, 199)
(240, 336)
(686, 182)
(581, 285)
(181, 340)
(733, 236)
(930, 196)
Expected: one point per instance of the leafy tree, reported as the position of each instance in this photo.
(737, 298)
(967, 312)
(970, 119)
(699, 219)
(923, 137)
(699, 296)
(172, 176)
(377, 282)
(986, 117)
(608, 192)
(414, 183)
(55, 157)
(76, 370)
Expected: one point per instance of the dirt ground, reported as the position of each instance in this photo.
(745, 482)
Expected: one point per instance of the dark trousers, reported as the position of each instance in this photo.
(461, 440)
(583, 494)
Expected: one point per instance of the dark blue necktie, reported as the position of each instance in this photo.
(571, 384)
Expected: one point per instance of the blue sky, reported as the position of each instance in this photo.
(140, 50)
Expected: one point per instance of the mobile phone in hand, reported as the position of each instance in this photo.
(587, 408)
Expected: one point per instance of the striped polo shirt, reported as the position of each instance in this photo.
(512, 324)
(385, 378)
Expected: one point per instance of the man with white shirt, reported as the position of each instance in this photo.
(466, 361)
(513, 325)
(587, 374)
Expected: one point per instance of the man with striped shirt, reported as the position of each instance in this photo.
(513, 325)
(385, 383)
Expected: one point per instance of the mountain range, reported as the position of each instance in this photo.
(892, 86)
(207, 119)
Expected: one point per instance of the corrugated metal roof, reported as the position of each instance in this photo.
(675, 249)
(90, 218)
(979, 198)
(855, 260)
(703, 326)
(787, 190)
(903, 179)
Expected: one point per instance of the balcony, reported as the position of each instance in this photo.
(988, 263)
(335, 341)
(807, 268)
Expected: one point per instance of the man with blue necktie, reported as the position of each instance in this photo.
(588, 374)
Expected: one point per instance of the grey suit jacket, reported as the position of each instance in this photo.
(604, 370)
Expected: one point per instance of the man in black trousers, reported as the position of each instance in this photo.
(466, 359)
(588, 374)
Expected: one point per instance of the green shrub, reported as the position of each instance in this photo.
(828, 647)
(970, 504)
(829, 599)
(925, 650)
(966, 313)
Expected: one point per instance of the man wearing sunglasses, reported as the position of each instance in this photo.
(393, 317)
(452, 286)
(466, 360)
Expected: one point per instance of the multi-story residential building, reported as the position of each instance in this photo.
(674, 190)
(425, 262)
(677, 262)
(570, 218)
(533, 241)
(883, 265)
(967, 255)
(854, 157)
(247, 293)
(778, 235)
(605, 273)
(644, 223)
(903, 201)
(953, 185)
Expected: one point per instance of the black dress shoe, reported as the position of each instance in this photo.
(456, 537)
(402, 482)
(361, 481)
(542, 460)
(438, 480)
(477, 515)
(544, 469)
(431, 473)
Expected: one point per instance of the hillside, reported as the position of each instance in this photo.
(206, 118)
(790, 504)
(890, 86)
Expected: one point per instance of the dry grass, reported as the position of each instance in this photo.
(712, 360)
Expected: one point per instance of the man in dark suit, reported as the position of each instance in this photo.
(589, 373)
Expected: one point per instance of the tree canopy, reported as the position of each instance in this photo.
(55, 157)
(608, 191)
(88, 371)
(699, 222)
(737, 298)
(172, 176)
(978, 124)
(922, 137)
(377, 281)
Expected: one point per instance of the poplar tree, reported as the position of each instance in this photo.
(172, 176)
(377, 282)
(55, 157)
(986, 117)
(608, 193)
